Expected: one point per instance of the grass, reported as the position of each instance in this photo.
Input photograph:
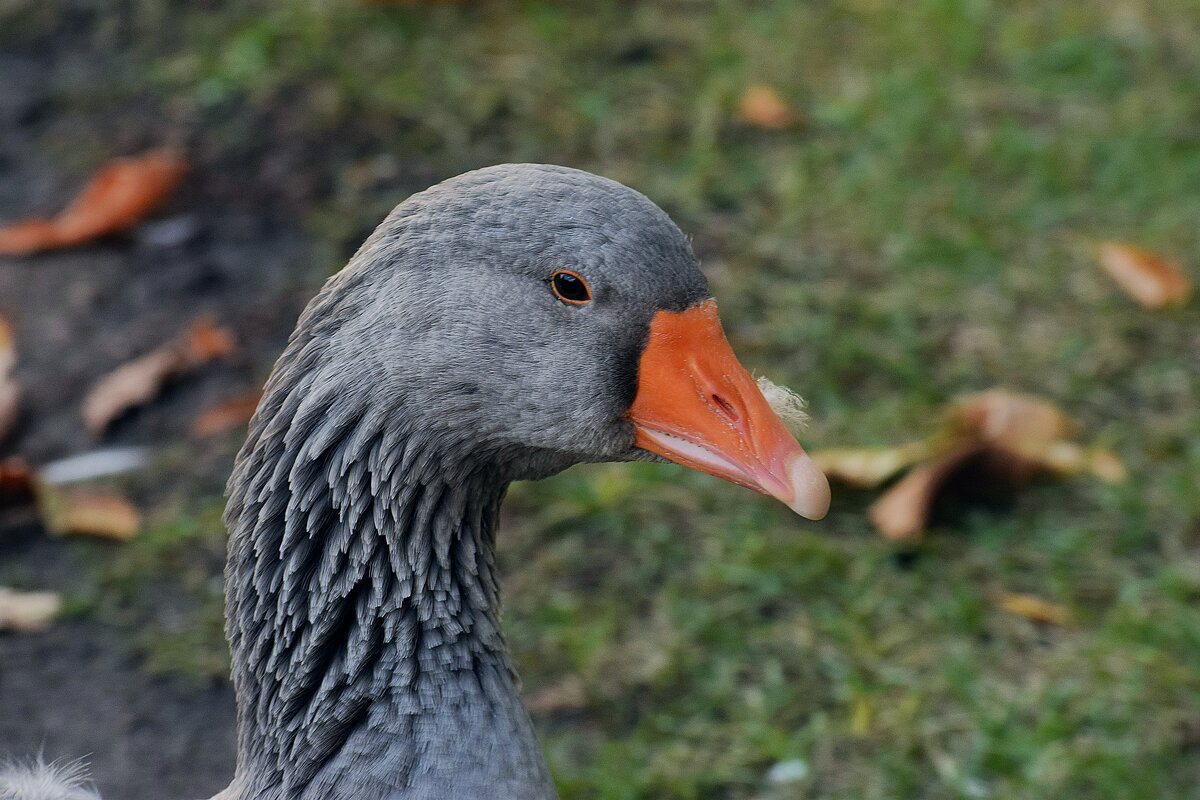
(926, 232)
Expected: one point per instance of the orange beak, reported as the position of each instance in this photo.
(697, 406)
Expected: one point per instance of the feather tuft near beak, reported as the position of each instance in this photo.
(787, 405)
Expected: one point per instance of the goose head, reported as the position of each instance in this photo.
(531, 317)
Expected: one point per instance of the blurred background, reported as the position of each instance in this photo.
(895, 204)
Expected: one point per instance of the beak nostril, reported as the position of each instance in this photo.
(725, 408)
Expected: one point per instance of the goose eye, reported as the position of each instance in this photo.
(570, 288)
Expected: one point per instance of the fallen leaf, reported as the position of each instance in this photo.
(10, 397)
(139, 381)
(998, 438)
(1033, 608)
(206, 341)
(1148, 278)
(88, 514)
(1007, 417)
(868, 467)
(762, 106)
(122, 193)
(27, 612)
(1107, 466)
(227, 415)
(903, 510)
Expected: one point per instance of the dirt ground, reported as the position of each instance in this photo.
(228, 246)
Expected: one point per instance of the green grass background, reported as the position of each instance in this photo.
(925, 232)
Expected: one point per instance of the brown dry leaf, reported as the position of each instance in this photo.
(10, 397)
(88, 514)
(1106, 466)
(1007, 417)
(763, 107)
(1148, 278)
(139, 381)
(1034, 434)
(206, 341)
(903, 510)
(1000, 439)
(1025, 435)
(868, 467)
(27, 612)
(121, 194)
(227, 415)
(1033, 608)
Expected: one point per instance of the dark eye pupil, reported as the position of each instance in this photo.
(570, 287)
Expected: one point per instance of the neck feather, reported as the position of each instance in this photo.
(363, 610)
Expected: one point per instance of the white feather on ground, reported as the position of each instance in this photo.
(37, 780)
(786, 404)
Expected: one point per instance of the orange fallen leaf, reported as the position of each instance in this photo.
(121, 194)
(761, 106)
(1005, 416)
(1025, 435)
(138, 381)
(230, 413)
(1148, 278)
(1033, 608)
(868, 467)
(903, 510)
(27, 612)
(87, 513)
(206, 341)
(1035, 434)
(10, 397)
(997, 438)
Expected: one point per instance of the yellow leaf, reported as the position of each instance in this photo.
(88, 514)
(1106, 466)
(1033, 608)
(868, 467)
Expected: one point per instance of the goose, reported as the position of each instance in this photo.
(502, 325)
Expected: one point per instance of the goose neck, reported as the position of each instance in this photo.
(363, 617)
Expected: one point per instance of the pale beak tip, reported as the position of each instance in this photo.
(810, 488)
